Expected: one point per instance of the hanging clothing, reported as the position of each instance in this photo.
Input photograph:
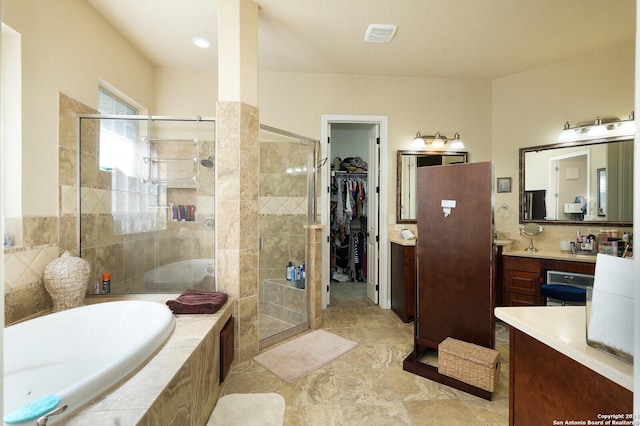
(348, 221)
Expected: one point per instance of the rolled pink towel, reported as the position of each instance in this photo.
(198, 302)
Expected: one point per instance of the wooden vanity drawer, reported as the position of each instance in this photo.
(515, 299)
(522, 264)
(523, 282)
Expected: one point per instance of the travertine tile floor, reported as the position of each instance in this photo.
(367, 385)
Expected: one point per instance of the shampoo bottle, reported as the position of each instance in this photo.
(290, 272)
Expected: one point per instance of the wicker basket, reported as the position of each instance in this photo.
(469, 363)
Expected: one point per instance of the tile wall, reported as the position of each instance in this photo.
(39, 240)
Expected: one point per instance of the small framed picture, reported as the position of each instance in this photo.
(504, 184)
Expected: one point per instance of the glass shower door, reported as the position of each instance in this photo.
(286, 180)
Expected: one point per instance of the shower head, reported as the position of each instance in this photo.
(207, 162)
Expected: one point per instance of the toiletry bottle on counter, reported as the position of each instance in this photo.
(106, 283)
(289, 271)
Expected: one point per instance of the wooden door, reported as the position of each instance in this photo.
(455, 290)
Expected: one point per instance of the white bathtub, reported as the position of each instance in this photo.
(177, 276)
(77, 354)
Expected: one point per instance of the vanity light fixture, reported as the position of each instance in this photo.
(568, 134)
(599, 128)
(437, 141)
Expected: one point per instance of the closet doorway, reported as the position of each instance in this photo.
(352, 208)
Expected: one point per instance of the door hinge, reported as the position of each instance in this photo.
(327, 289)
(377, 238)
(328, 239)
(377, 287)
(328, 189)
(377, 189)
(328, 139)
(378, 140)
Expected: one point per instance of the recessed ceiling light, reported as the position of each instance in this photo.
(380, 33)
(201, 42)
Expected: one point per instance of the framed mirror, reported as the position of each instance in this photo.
(406, 188)
(589, 182)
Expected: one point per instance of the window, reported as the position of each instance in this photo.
(118, 147)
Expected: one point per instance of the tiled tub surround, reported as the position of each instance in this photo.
(24, 293)
(179, 385)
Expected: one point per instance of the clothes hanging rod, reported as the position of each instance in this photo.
(343, 173)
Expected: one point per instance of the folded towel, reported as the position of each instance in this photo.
(198, 302)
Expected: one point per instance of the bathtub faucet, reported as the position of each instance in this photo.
(42, 421)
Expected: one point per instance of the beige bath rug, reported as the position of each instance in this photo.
(248, 409)
(299, 357)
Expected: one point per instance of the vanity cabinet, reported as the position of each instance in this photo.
(523, 276)
(521, 280)
(403, 281)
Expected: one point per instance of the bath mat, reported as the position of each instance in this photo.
(299, 357)
(248, 409)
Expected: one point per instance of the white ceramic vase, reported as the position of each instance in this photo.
(66, 280)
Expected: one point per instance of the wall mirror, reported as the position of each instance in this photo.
(406, 189)
(588, 182)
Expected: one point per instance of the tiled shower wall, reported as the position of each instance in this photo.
(126, 229)
(282, 216)
(39, 240)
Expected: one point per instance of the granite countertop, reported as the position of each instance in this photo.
(563, 328)
(556, 255)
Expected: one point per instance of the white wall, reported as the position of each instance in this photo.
(350, 141)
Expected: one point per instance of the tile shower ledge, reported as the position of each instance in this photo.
(129, 402)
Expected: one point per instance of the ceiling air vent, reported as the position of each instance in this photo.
(380, 33)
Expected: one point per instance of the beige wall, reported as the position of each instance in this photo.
(185, 92)
(530, 108)
(296, 102)
(67, 48)
(64, 45)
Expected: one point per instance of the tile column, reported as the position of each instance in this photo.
(237, 168)
(314, 275)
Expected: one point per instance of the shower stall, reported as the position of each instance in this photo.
(146, 201)
(146, 204)
(287, 204)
